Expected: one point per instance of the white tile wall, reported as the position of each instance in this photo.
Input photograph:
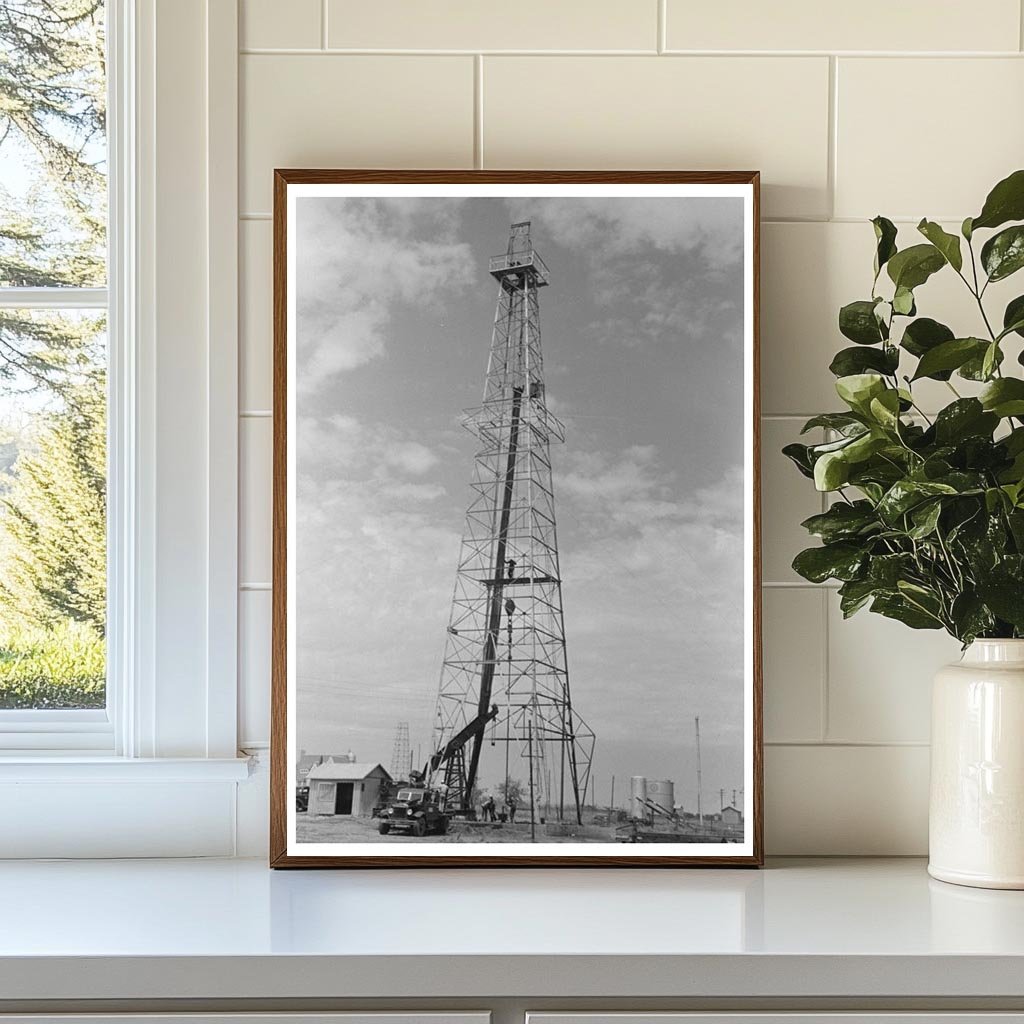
(872, 25)
(471, 25)
(969, 109)
(261, 26)
(694, 112)
(909, 109)
(255, 362)
(333, 110)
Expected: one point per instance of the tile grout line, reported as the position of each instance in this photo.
(833, 134)
(478, 111)
(854, 744)
(323, 24)
(1020, 24)
(662, 27)
(768, 55)
(824, 723)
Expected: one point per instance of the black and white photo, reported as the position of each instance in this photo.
(516, 524)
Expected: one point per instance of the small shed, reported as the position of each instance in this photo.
(346, 787)
(731, 817)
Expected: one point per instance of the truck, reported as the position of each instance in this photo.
(419, 807)
(415, 809)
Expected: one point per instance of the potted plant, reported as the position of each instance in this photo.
(926, 521)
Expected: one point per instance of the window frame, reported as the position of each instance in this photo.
(172, 513)
(78, 730)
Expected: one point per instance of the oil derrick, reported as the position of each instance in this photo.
(400, 762)
(505, 646)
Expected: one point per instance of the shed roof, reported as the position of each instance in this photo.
(347, 771)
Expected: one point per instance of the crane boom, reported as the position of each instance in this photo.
(459, 740)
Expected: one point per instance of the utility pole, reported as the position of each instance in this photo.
(700, 813)
(533, 816)
(721, 800)
(613, 792)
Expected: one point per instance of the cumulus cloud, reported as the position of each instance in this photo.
(661, 269)
(602, 227)
(357, 260)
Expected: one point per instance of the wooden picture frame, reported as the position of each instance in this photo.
(647, 815)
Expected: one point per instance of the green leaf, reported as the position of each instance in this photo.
(885, 237)
(990, 360)
(966, 417)
(925, 518)
(887, 570)
(903, 302)
(912, 267)
(858, 389)
(947, 244)
(842, 561)
(906, 494)
(866, 445)
(844, 422)
(970, 617)
(974, 368)
(842, 521)
(857, 321)
(885, 409)
(849, 361)
(799, 455)
(1013, 316)
(899, 608)
(831, 471)
(854, 595)
(1005, 596)
(1004, 397)
(924, 334)
(949, 355)
(965, 229)
(1003, 254)
(1005, 202)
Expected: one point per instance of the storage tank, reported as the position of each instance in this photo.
(662, 793)
(637, 794)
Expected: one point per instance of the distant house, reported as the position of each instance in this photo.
(345, 787)
(731, 817)
(308, 761)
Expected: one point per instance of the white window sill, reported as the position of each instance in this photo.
(86, 768)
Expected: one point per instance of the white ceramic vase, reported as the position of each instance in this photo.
(976, 815)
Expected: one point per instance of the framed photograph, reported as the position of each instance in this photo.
(516, 614)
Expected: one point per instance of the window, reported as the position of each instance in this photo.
(53, 358)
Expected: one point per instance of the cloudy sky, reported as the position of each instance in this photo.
(642, 331)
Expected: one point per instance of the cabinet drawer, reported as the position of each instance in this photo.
(851, 1017)
(362, 1017)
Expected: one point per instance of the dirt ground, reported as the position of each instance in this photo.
(331, 829)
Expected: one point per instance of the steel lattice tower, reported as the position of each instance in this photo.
(505, 647)
(400, 763)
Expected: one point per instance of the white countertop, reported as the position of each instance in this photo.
(234, 929)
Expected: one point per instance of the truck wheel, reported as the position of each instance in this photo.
(383, 828)
(419, 828)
